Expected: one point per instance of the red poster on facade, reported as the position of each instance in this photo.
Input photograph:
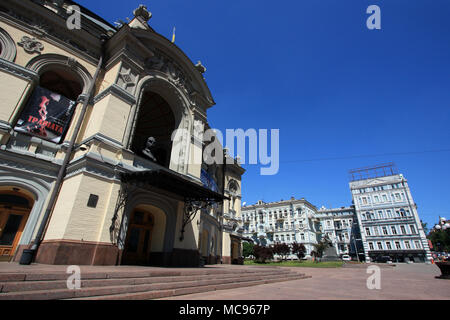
(47, 115)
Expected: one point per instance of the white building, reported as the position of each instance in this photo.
(340, 225)
(284, 222)
(387, 215)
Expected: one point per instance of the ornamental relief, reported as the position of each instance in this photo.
(175, 75)
(31, 45)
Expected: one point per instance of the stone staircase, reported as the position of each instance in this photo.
(137, 284)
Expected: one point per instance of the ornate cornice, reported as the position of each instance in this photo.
(5, 126)
(25, 163)
(19, 71)
(116, 91)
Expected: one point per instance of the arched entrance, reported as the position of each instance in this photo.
(156, 120)
(139, 238)
(15, 208)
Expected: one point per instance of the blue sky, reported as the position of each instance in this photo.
(337, 91)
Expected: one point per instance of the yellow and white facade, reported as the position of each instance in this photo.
(115, 205)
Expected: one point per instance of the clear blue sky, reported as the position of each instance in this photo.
(335, 89)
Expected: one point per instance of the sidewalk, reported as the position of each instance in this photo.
(404, 281)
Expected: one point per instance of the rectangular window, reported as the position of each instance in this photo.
(385, 232)
(407, 245)
(377, 199)
(375, 229)
(417, 244)
(403, 229)
(368, 231)
(394, 230)
(384, 198)
(380, 246)
(302, 236)
(397, 245)
(413, 229)
(370, 245)
(388, 245)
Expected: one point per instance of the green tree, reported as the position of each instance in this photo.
(247, 249)
(425, 227)
(440, 240)
(320, 247)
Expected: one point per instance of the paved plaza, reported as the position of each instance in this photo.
(404, 281)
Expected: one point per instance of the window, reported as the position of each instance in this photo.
(288, 238)
(380, 214)
(384, 198)
(388, 245)
(407, 245)
(417, 244)
(371, 246)
(377, 199)
(375, 229)
(397, 245)
(394, 230)
(385, 232)
(403, 229)
(364, 200)
(380, 246)
(368, 231)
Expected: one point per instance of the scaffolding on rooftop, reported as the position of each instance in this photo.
(377, 171)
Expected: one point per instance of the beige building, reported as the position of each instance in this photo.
(120, 198)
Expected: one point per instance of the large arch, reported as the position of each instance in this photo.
(37, 189)
(173, 52)
(158, 83)
(151, 200)
(45, 62)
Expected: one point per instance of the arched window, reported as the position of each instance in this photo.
(60, 81)
(155, 120)
(48, 112)
(7, 46)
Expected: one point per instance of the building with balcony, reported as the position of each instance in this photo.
(340, 225)
(283, 222)
(387, 215)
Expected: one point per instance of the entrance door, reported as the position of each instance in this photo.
(138, 243)
(12, 223)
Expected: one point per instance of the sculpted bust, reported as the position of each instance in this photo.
(148, 148)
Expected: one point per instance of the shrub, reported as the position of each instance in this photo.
(262, 254)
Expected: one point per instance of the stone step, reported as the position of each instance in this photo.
(175, 287)
(36, 285)
(45, 276)
(157, 294)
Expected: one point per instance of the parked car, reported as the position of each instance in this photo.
(383, 259)
(346, 257)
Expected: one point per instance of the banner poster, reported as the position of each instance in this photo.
(47, 115)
